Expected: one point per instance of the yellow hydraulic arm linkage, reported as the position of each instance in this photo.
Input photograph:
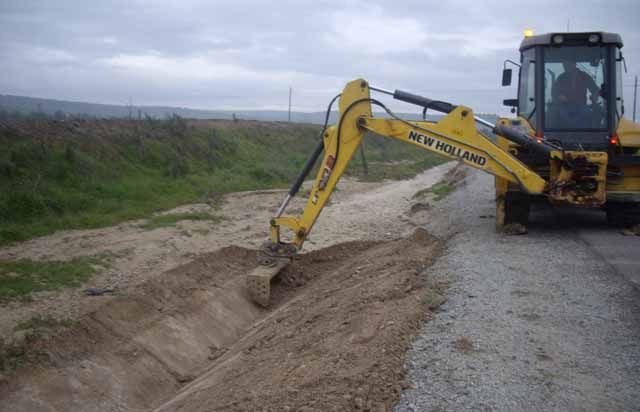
(454, 136)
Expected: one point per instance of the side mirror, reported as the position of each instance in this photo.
(506, 77)
(513, 103)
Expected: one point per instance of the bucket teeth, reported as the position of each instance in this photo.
(259, 288)
(259, 280)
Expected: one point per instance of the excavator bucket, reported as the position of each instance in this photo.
(259, 280)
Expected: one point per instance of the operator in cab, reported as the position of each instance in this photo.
(571, 86)
(574, 96)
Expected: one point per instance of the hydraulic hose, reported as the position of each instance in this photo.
(311, 161)
(524, 140)
(425, 102)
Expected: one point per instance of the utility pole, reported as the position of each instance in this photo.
(635, 97)
(130, 108)
(289, 116)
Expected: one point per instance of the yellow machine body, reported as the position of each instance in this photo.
(566, 177)
(556, 149)
(455, 136)
(627, 188)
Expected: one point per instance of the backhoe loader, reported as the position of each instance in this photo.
(566, 146)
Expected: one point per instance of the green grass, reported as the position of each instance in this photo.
(171, 219)
(57, 177)
(22, 277)
(396, 171)
(420, 194)
(441, 190)
(388, 159)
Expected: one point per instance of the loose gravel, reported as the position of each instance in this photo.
(532, 323)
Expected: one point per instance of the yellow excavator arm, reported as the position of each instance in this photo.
(455, 136)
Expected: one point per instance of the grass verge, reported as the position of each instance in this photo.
(20, 278)
(379, 171)
(59, 176)
(439, 190)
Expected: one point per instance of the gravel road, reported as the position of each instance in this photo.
(549, 321)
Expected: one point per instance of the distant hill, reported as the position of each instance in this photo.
(24, 106)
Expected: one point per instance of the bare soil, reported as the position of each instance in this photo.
(132, 254)
(334, 339)
(336, 344)
(181, 333)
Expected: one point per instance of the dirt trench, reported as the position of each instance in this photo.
(131, 254)
(190, 340)
(181, 334)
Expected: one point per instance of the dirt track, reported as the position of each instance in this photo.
(369, 211)
(340, 324)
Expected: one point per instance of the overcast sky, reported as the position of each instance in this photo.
(237, 54)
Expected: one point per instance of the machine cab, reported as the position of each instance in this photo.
(569, 87)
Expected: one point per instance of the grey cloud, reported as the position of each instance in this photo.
(245, 54)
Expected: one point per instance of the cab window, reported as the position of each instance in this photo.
(526, 88)
(574, 89)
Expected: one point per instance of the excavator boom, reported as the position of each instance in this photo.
(454, 136)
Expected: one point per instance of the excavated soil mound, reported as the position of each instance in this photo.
(337, 346)
(190, 340)
(138, 348)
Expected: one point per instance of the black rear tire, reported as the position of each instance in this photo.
(516, 208)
